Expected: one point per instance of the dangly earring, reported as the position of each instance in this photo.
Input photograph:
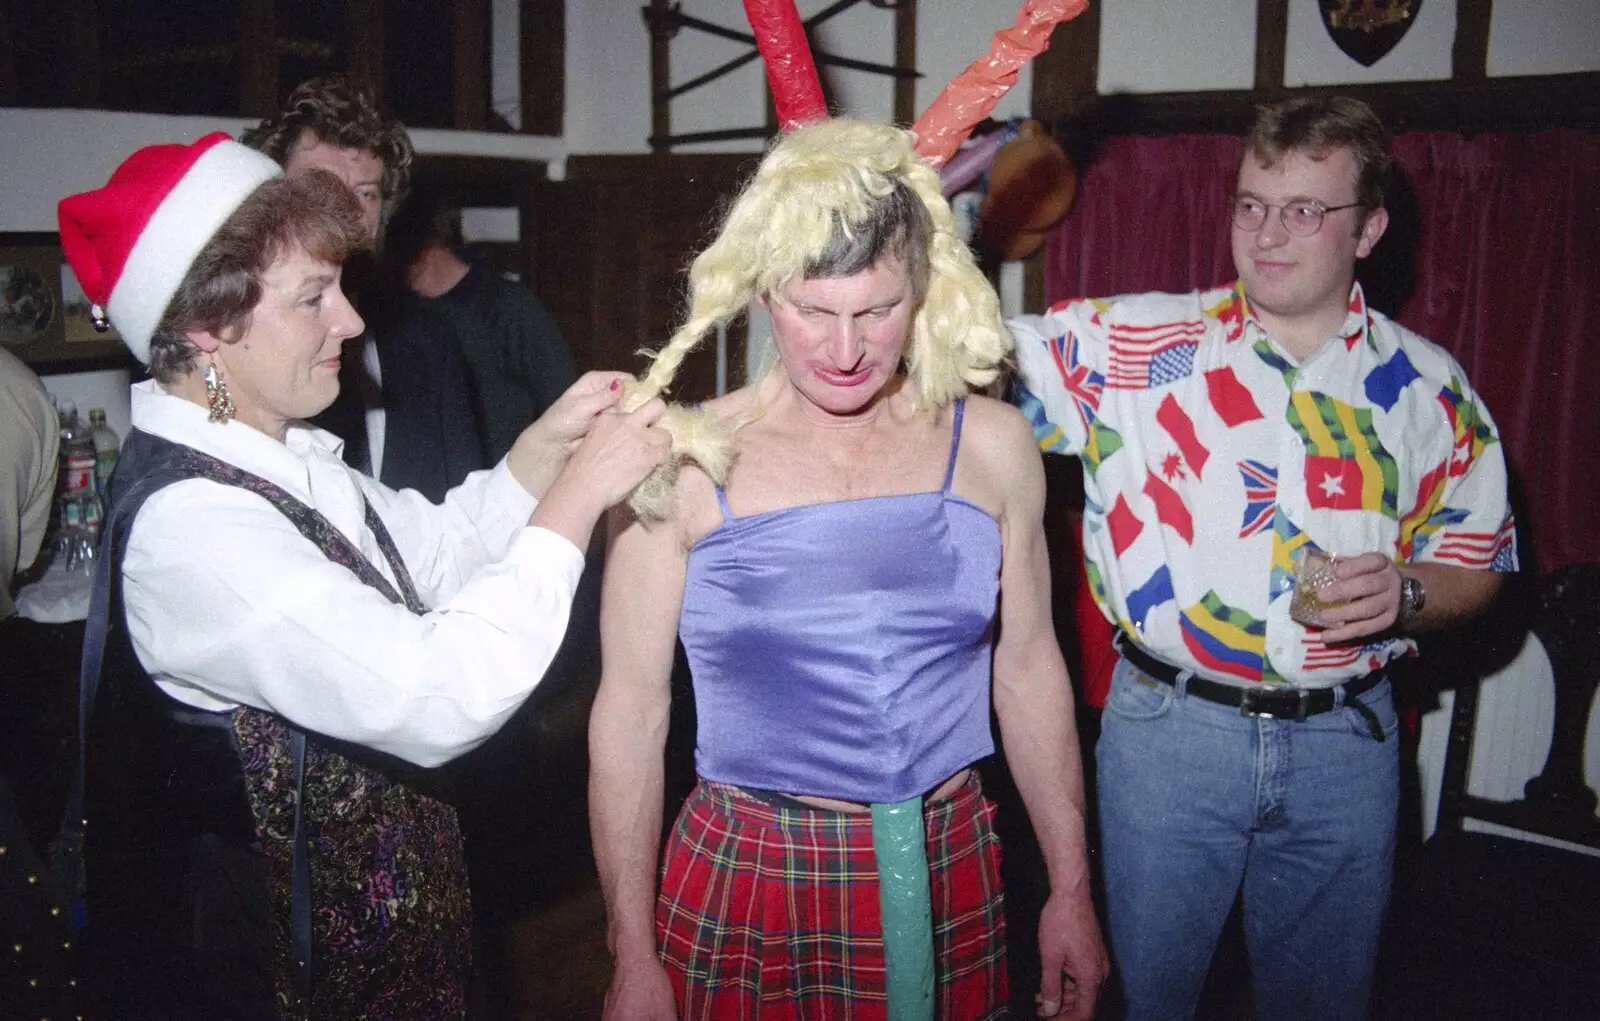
(219, 403)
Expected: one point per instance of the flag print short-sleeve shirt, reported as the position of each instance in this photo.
(1211, 459)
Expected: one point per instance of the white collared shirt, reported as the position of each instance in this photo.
(228, 604)
(377, 419)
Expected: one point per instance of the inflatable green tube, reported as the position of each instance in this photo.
(905, 901)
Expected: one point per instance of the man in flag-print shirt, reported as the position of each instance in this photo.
(1223, 434)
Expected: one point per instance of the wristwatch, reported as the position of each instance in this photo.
(1412, 598)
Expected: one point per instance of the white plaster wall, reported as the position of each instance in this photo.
(607, 107)
(46, 155)
(1161, 46)
(89, 390)
(505, 60)
(864, 32)
(1423, 54)
(733, 101)
(1544, 37)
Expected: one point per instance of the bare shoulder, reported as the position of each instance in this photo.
(999, 467)
(734, 405)
(1000, 439)
(695, 509)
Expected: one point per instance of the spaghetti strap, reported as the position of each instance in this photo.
(955, 446)
(722, 501)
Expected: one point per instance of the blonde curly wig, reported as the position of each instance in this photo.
(824, 181)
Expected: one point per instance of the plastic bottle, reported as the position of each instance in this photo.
(66, 516)
(80, 503)
(106, 444)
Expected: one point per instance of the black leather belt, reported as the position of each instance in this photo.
(1279, 703)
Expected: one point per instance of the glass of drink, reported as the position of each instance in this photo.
(1312, 570)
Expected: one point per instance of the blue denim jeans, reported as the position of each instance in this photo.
(1196, 799)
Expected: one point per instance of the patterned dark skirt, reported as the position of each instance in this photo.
(772, 913)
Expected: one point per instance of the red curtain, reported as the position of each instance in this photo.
(1493, 252)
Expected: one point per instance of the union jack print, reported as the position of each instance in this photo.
(1149, 356)
(1260, 497)
(1083, 383)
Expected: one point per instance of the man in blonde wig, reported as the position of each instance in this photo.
(834, 561)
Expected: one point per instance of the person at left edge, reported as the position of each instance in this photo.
(277, 629)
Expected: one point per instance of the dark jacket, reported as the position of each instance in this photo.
(430, 430)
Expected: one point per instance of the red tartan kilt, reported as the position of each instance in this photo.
(772, 913)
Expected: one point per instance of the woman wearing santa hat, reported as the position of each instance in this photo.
(274, 637)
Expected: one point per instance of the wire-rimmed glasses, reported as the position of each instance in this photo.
(1302, 217)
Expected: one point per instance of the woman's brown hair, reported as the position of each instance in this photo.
(314, 212)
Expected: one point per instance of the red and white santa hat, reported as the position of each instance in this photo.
(132, 242)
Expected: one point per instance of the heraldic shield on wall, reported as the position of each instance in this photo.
(1366, 30)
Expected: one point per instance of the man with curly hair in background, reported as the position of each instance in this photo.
(403, 408)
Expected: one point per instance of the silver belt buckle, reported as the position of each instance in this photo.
(1253, 702)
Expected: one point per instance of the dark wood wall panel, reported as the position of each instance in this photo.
(364, 43)
(428, 61)
(905, 55)
(1469, 56)
(471, 51)
(608, 249)
(258, 58)
(1067, 75)
(615, 250)
(1272, 42)
(544, 70)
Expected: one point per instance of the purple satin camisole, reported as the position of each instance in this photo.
(842, 650)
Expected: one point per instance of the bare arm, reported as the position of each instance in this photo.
(1034, 704)
(642, 598)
